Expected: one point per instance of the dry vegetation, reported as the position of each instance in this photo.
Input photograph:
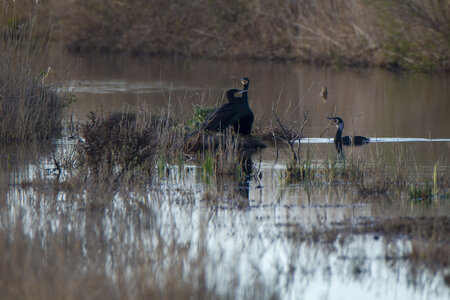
(394, 34)
(73, 254)
(30, 107)
(116, 143)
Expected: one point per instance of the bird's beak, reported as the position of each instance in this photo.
(330, 118)
(244, 82)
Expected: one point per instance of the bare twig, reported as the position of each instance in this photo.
(329, 123)
(289, 140)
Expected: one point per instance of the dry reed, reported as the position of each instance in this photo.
(30, 107)
(393, 34)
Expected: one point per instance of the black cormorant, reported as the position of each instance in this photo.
(339, 140)
(226, 115)
(235, 113)
(246, 116)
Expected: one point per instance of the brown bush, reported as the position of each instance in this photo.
(112, 144)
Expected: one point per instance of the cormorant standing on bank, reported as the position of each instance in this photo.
(339, 140)
(226, 115)
(246, 116)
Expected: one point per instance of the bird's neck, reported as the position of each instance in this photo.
(245, 94)
(340, 128)
(338, 137)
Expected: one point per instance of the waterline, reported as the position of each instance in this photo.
(372, 140)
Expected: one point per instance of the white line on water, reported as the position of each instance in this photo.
(372, 140)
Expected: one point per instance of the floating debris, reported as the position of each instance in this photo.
(324, 94)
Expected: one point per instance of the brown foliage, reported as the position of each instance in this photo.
(116, 143)
(355, 32)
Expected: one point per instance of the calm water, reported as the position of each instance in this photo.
(254, 244)
(373, 103)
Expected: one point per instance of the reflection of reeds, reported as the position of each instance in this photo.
(144, 250)
(64, 265)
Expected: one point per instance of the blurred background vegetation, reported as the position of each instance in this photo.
(397, 34)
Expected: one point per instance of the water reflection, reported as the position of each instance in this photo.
(242, 247)
(123, 86)
(261, 235)
(264, 240)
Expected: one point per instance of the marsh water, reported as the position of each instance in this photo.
(251, 250)
(373, 103)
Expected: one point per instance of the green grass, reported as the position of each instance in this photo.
(421, 192)
(201, 114)
(208, 167)
(303, 172)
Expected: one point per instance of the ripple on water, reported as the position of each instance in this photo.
(123, 86)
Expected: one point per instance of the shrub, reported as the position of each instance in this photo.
(113, 144)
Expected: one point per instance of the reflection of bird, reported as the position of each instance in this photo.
(246, 116)
(339, 140)
(324, 93)
(227, 114)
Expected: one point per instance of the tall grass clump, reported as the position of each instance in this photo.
(30, 107)
(303, 171)
(343, 170)
(223, 154)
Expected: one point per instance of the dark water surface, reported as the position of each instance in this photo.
(253, 246)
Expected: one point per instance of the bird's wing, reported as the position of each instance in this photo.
(222, 117)
(347, 140)
(355, 140)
